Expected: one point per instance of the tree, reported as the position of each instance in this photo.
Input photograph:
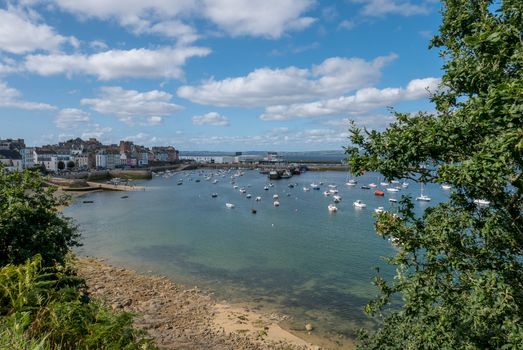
(70, 164)
(61, 165)
(460, 265)
(29, 220)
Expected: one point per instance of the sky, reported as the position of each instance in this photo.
(217, 75)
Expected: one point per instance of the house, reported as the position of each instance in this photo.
(46, 157)
(11, 159)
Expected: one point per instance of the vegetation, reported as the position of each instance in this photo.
(70, 165)
(61, 165)
(460, 265)
(43, 304)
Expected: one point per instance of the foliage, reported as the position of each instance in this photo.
(70, 164)
(43, 308)
(29, 221)
(460, 266)
(60, 165)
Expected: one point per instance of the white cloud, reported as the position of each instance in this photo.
(9, 98)
(127, 105)
(69, 118)
(363, 101)
(97, 131)
(113, 64)
(268, 18)
(19, 35)
(267, 86)
(377, 8)
(211, 118)
(346, 24)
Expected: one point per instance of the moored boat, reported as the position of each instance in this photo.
(332, 208)
(359, 204)
(229, 205)
(379, 193)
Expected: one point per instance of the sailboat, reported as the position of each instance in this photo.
(350, 181)
(423, 197)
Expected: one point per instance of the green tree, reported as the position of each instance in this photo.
(29, 220)
(70, 164)
(459, 266)
(61, 165)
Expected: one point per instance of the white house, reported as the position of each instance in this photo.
(11, 159)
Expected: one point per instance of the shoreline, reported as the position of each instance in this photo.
(178, 317)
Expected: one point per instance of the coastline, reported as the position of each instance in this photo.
(178, 317)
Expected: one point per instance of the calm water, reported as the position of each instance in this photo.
(297, 258)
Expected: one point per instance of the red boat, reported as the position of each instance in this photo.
(379, 193)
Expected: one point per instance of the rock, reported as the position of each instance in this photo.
(308, 327)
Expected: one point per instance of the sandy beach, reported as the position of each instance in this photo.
(178, 317)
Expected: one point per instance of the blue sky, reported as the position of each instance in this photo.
(212, 74)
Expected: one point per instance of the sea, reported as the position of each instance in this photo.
(297, 259)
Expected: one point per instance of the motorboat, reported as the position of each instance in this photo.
(248, 195)
(365, 187)
(359, 204)
(482, 202)
(405, 184)
(333, 190)
(393, 189)
(423, 197)
(243, 190)
(276, 203)
(336, 198)
(326, 193)
(275, 197)
(373, 185)
(384, 184)
(351, 182)
(306, 189)
(332, 208)
(214, 195)
(315, 186)
(266, 188)
(393, 200)
(215, 181)
(229, 205)
(379, 210)
(258, 199)
(379, 193)
(253, 211)
(446, 187)
(235, 187)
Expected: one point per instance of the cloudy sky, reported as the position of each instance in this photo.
(212, 74)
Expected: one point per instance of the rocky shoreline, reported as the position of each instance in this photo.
(177, 317)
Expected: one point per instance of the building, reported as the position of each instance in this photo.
(12, 144)
(274, 157)
(101, 160)
(27, 157)
(11, 159)
(46, 157)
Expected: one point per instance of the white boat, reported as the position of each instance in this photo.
(276, 203)
(446, 186)
(248, 195)
(384, 183)
(332, 186)
(266, 188)
(332, 208)
(275, 197)
(326, 193)
(373, 185)
(333, 191)
(243, 190)
(393, 189)
(394, 182)
(215, 181)
(306, 189)
(423, 197)
(379, 210)
(258, 199)
(235, 187)
(405, 184)
(393, 200)
(482, 202)
(315, 186)
(351, 182)
(214, 195)
(229, 205)
(359, 204)
(336, 198)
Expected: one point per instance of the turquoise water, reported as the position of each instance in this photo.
(296, 258)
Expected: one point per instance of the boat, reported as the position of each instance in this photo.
(351, 182)
(197, 180)
(235, 187)
(215, 181)
(214, 195)
(326, 193)
(393, 189)
(243, 190)
(336, 199)
(332, 208)
(333, 190)
(291, 185)
(446, 186)
(373, 185)
(276, 203)
(422, 197)
(266, 188)
(405, 184)
(258, 199)
(379, 193)
(384, 184)
(393, 200)
(87, 202)
(286, 175)
(359, 204)
(275, 197)
(365, 187)
(248, 195)
(394, 182)
(332, 186)
(306, 189)
(180, 183)
(379, 210)
(482, 202)
(229, 205)
(253, 211)
(274, 175)
(124, 197)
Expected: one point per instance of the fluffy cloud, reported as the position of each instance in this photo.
(9, 98)
(267, 86)
(127, 105)
(211, 118)
(363, 101)
(377, 8)
(136, 63)
(69, 118)
(19, 35)
(269, 18)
